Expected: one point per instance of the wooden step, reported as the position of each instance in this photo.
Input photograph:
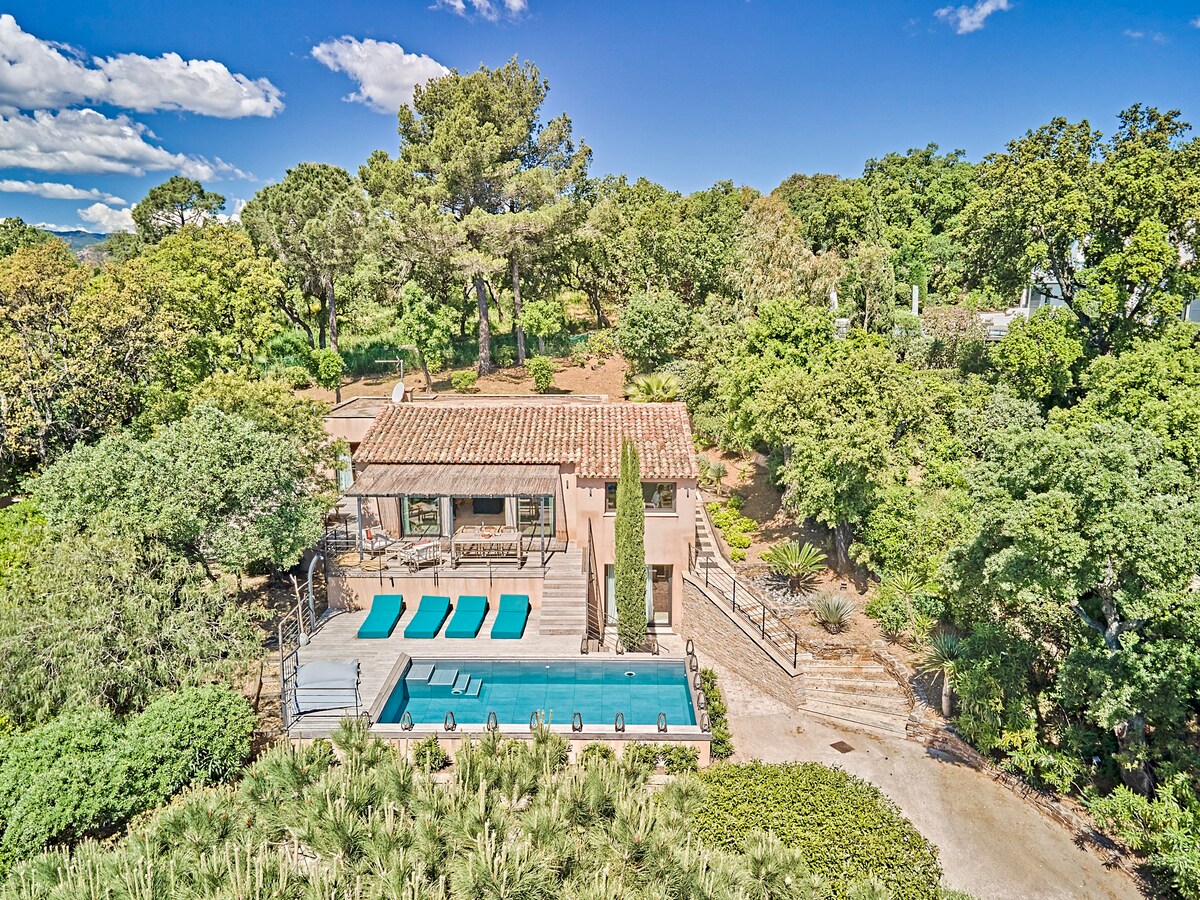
(865, 720)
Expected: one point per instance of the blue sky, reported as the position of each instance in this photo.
(99, 101)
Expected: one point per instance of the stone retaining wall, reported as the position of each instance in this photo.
(719, 640)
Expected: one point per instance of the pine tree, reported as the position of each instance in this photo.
(630, 563)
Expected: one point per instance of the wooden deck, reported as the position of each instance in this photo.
(337, 639)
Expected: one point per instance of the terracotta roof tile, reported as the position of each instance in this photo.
(588, 435)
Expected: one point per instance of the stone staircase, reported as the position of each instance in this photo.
(850, 690)
(564, 594)
(855, 691)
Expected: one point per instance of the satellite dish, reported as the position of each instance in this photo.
(398, 392)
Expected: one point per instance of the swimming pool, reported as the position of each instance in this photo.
(514, 690)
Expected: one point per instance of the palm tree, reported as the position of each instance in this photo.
(799, 562)
(657, 387)
(941, 657)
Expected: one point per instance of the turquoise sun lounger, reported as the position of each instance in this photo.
(382, 619)
(429, 617)
(467, 618)
(511, 617)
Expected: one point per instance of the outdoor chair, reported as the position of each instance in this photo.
(424, 553)
(382, 619)
(429, 617)
(468, 617)
(511, 617)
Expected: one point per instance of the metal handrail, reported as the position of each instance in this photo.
(726, 586)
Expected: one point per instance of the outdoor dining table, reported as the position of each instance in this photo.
(476, 540)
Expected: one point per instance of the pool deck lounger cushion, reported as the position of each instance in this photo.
(381, 620)
(468, 617)
(429, 617)
(511, 617)
(326, 684)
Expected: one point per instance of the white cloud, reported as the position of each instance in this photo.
(487, 9)
(235, 207)
(965, 19)
(385, 74)
(106, 219)
(1196, 22)
(54, 190)
(83, 140)
(1157, 36)
(39, 74)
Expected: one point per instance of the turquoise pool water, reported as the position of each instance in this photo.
(640, 689)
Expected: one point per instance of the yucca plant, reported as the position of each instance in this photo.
(905, 585)
(800, 563)
(832, 611)
(657, 387)
(941, 657)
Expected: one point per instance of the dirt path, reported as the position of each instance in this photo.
(991, 844)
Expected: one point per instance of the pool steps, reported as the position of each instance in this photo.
(460, 683)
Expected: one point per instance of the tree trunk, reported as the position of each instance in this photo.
(541, 345)
(425, 372)
(841, 546)
(947, 695)
(485, 327)
(520, 332)
(1135, 772)
(601, 319)
(321, 332)
(331, 306)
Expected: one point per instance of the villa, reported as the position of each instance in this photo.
(510, 495)
(469, 574)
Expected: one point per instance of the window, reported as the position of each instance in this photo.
(529, 515)
(657, 495)
(422, 515)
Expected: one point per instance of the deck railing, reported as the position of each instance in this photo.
(745, 603)
(595, 596)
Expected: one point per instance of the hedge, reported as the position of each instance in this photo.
(846, 828)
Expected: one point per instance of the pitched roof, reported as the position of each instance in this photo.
(531, 433)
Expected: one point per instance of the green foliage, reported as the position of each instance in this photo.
(85, 772)
(906, 604)
(22, 529)
(173, 205)
(630, 559)
(212, 486)
(733, 526)
(428, 755)
(464, 381)
(845, 828)
(105, 619)
(832, 611)
(657, 387)
(427, 325)
(596, 753)
(296, 377)
(602, 343)
(718, 715)
(543, 317)
(15, 234)
(652, 329)
(798, 562)
(1038, 356)
(505, 356)
(510, 819)
(679, 760)
(541, 370)
(328, 367)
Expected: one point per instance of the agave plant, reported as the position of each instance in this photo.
(941, 657)
(657, 387)
(799, 562)
(832, 611)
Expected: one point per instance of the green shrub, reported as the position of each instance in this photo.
(504, 356)
(602, 343)
(734, 527)
(737, 554)
(832, 611)
(846, 828)
(297, 377)
(541, 370)
(85, 772)
(328, 368)
(595, 753)
(652, 328)
(428, 755)
(464, 381)
(639, 756)
(718, 715)
(678, 759)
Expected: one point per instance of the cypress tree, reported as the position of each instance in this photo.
(630, 561)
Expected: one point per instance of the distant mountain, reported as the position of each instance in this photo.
(78, 240)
